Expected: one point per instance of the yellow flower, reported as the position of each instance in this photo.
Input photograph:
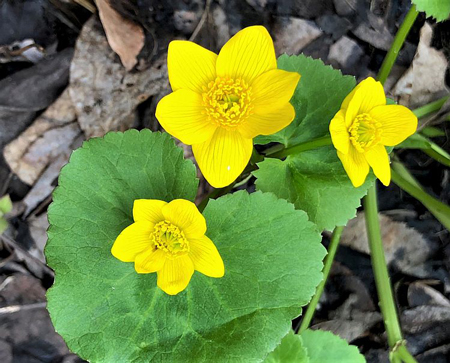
(169, 239)
(221, 102)
(362, 128)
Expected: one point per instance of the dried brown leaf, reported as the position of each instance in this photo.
(125, 37)
(424, 81)
(404, 247)
(103, 93)
(51, 135)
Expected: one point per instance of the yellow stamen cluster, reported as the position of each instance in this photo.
(169, 238)
(365, 132)
(227, 101)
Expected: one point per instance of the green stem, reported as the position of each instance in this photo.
(405, 355)
(277, 151)
(256, 157)
(437, 156)
(415, 190)
(309, 145)
(216, 193)
(401, 176)
(382, 281)
(400, 37)
(332, 249)
(380, 270)
(430, 107)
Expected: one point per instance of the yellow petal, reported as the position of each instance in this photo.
(267, 123)
(190, 66)
(273, 89)
(366, 95)
(175, 275)
(185, 215)
(355, 166)
(148, 210)
(339, 133)
(206, 258)
(149, 261)
(378, 159)
(132, 240)
(181, 113)
(224, 157)
(398, 123)
(247, 55)
(272, 111)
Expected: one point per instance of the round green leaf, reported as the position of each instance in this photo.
(438, 9)
(316, 100)
(290, 350)
(314, 181)
(5, 205)
(314, 346)
(325, 347)
(107, 312)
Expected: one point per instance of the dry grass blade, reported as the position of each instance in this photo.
(86, 4)
(16, 308)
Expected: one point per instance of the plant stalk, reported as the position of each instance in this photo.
(400, 37)
(437, 156)
(430, 107)
(309, 145)
(332, 249)
(405, 355)
(216, 193)
(379, 266)
(382, 280)
(402, 177)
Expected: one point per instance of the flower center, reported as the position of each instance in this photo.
(365, 132)
(227, 101)
(169, 238)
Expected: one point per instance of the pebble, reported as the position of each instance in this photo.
(346, 7)
(345, 53)
(334, 25)
(293, 34)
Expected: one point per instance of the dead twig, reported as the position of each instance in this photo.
(9, 53)
(6, 282)
(5, 186)
(17, 52)
(202, 21)
(11, 254)
(16, 308)
(13, 245)
(41, 207)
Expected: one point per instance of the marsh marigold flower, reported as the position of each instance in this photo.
(362, 128)
(221, 102)
(169, 239)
